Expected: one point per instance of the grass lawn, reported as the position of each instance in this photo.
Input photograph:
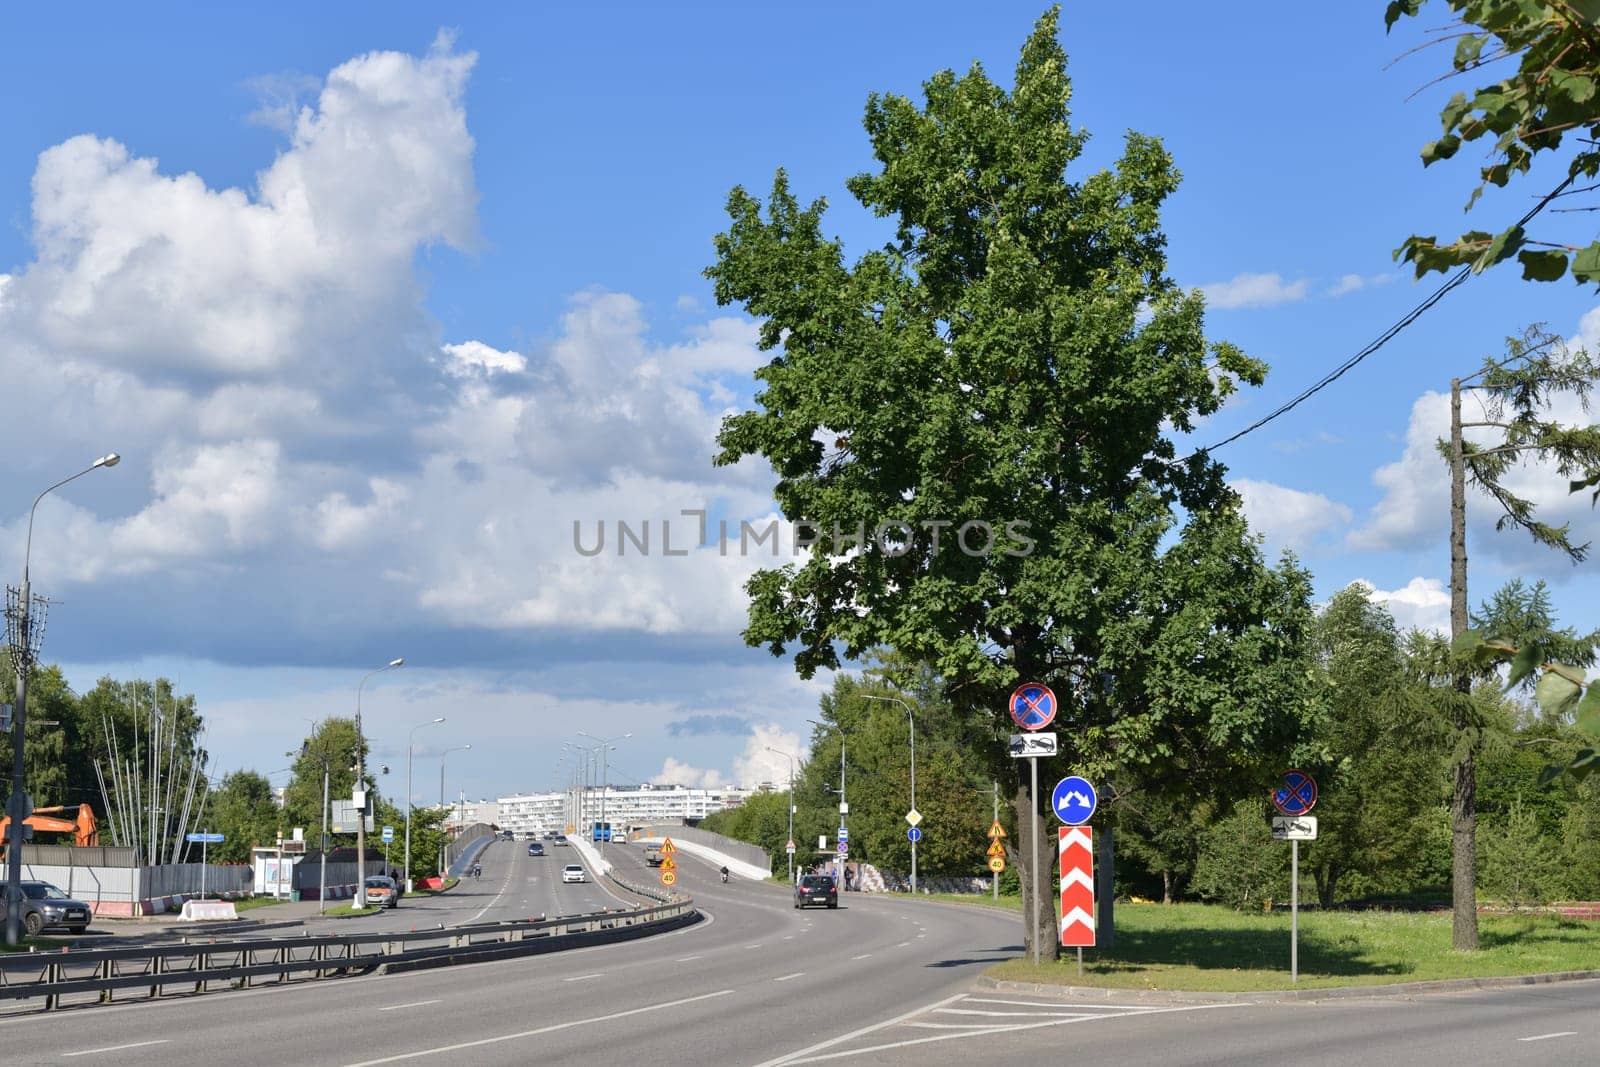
(1208, 947)
(252, 903)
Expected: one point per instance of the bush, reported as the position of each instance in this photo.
(1240, 864)
(1517, 863)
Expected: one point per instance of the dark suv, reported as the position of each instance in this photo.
(45, 905)
(816, 889)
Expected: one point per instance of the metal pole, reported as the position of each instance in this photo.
(912, 723)
(995, 881)
(322, 876)
(18, 783)
(1033, 851)
(844, 809)
(1294, 911)
(407, 875)
(603, 788)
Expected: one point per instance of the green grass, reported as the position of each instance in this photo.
(252, 903)
(1212, 948)
(38, 944)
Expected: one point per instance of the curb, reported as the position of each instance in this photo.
(1282, 996)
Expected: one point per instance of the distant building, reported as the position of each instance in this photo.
(622, 806)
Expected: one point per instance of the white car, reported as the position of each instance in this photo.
(573, 872)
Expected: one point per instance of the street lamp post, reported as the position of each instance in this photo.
(322, 874)
(361, 790)
(911, 723)
(442, 755)
(410, 744)
(789, 851)
(607, 744)
(844, 808)
(23, 652)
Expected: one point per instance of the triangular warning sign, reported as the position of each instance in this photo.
(997, 849)
(668, 863)
(997, 830)
(667, 847)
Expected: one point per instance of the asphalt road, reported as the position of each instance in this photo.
(879, 981)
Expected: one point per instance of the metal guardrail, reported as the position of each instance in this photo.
(240, 964)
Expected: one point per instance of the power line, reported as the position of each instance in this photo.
(1384, 338)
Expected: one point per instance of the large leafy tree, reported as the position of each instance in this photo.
(242, 809)
(1014, 355)
(1547, 53)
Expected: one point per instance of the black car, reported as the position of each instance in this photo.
(535, 849)
(45, 905)
(816, 889)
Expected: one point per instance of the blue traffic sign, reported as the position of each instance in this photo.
(205, 839)
(914, 834)
(1074, 800)
(1033, 706)
(388, 834)
(1296, 793)
(844, 834)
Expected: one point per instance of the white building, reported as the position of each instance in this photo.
(466, 812)
(621, 806)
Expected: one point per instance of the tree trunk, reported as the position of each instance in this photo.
(1028, 859)
(1166, 887)
(1464, 797)
(1327, 882)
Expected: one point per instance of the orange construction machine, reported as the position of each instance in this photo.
(84, 830)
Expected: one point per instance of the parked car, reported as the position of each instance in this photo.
(573, 872)
(816, 889)
(535, 849)
(45, 905)
(381, 892)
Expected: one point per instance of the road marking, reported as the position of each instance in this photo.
(1545, 1037)
(585, 977)
(788, 937)
(413, 1004)
(786, 977)
(1023, 1014)
(1101, 1008)
(686, 959)
(542, 1030)
(753, 946)
(117, 1048)
(832, 1041)
(863, 956)
(903, 944)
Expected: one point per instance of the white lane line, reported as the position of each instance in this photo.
(117, 1048)
(786, 977)
(788, 937)
(584, 977)
(1546, 1037)
(852, 1035)
(903, 944)
(987, 1028)
(1021, 1014)
(1101, 1008)
(686, 959)
(753, 946)
(863, 956)
(542, 1030)
(413, 1004)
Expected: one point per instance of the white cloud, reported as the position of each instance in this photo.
(1422, 603)
(1320, 439)
(757, 764)
(1253, 290)
(1349, 283)
(676, 772)
(475, 357)
(1289, 518)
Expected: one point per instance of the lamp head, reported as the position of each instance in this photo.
(398, 661)
(439, 719)
(110, 459)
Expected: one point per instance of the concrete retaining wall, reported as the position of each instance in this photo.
(753, 855)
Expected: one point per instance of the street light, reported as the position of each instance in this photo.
(410, 740)
(607, 744)
(22, 654)
(360, 793)
(322, 876)
(789, 850)
(442, 755)
(844, 808)
(911, 724)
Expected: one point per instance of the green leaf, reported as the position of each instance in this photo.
(1443, 148)
(1397, 9)
(1589, 710)
(1522, 664)
(1467, 641)
(1504, 245)
(1556, 695)
(1586, 264)
(1576, 87)
(1468, 48)
(1542, 266)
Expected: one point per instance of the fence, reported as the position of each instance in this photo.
(130, 891)
(739, 850)
(96, 976)
(463, 841)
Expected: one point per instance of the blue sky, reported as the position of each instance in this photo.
(377, 299)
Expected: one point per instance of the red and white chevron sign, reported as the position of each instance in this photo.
(1075, 846)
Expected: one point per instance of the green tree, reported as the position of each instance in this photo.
(1383, 754)
(1015, 356)
(1160, 833)
(1549, 53)
(1239, 863)
(242, 809)
(334, 741)
(1520, 864)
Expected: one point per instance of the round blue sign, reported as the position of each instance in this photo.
(1296, 793)
(914, 834)
(1074, 800)
(1033, 706)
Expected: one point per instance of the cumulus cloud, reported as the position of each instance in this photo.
(676, 772)
(758, 764)
(1252, 291)
(475, 357)
(701, 725)
(1422, 603)
(1289, 518)
(1349, 283)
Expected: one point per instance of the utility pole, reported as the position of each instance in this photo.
(359, 794)
(995, 881)
(1463, 797)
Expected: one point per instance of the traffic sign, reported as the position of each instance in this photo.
(205, 839)
(914, 817)
(789, 848)
(914, 834)
(844, 849)
(997, 864)
(997, 849)
(1075, 845)
(1296, 793)
(667, 847)
(1294, 827)
(669, 877)
(844, 834)
(1033, 706)
(996, 830)
(388, 834)
(5, 717)
(668, 863)
(1073, 800)
(1025, 746)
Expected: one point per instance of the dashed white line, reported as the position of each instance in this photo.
(1546, 1037)
(754, 946)
(903, 944)
(584, 977)
(116, 1048)
(863, 956)
(413, 1004)
(786, 977)
(686, 959)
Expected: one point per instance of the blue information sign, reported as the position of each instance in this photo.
(844, 834)
(1296, 793)
(1074, 800)
(204, 839)
(388, 834)
(914, 834)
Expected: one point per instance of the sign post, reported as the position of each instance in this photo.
(997, 851)
(203, 840)
(1295, 795)
(1033, 707)
(1074, 801)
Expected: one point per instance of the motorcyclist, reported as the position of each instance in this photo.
(477, 871)
(724, 874)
